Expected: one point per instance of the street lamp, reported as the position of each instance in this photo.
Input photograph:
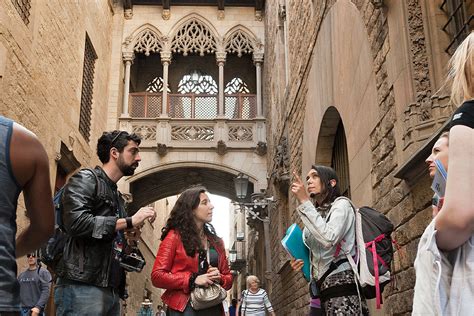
(232, 255)
(241, 183)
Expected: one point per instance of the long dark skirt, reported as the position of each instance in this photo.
(343, 305)
(189, 311)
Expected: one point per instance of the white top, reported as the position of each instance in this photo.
(444, 280)
(255, 303)
(322, 237)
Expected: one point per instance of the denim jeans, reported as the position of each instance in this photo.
(75, 298)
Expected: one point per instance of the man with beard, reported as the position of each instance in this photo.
(90, 278)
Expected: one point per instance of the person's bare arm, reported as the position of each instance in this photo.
(31, 169)
(455, 220)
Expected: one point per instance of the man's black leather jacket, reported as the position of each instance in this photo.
(89, 216)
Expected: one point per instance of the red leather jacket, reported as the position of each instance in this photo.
(173, 268)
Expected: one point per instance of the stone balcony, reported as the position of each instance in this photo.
(192, 121)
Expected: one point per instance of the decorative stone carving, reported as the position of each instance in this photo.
(258, 15)
(239, 42)
(192, 133)
(166, 14)
(257, 57)
(128, 14)
(240, 133)
(261, 148)
(421, 120)
(146, 132)
(161, 149)
(377, 3)
(148, 41)
(128, 56)
(221, 148)
(281, 171)
(282, 12)
(194, 37)
(220, 15)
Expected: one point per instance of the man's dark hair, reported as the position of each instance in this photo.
(117, 139)
(326, 174)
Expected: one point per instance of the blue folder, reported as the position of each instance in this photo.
(293, 243)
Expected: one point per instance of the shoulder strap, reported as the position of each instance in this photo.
(97, 180)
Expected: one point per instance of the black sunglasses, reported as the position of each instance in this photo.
(31, 255)
(116, 137)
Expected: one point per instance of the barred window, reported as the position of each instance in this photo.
(23, 8)
(87, 89)
(460, 21)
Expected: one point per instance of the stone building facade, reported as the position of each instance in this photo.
(358, 86)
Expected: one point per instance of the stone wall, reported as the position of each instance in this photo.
(401, 61)
(41, 81)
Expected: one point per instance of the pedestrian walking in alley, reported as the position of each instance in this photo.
(35, 284)
(254, 300)
(24, 167)
(329, 233)
(91, 279)
(190, 254)
(146, 308)
(445, 258)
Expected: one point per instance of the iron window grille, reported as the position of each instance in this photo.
(23, 8)
(87, 89)
(459, 23)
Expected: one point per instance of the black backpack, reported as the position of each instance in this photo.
(373, 239)
(52, 251)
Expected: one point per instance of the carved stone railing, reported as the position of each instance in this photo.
(220, 134)
(190, 106)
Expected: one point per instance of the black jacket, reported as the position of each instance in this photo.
(89, 216)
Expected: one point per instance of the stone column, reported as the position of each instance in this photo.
(166, 61)
(220, 58)
(128, 60)
(258, 60)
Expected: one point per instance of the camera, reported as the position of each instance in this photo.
(132, 261)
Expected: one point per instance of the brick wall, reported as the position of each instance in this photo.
(406, 205)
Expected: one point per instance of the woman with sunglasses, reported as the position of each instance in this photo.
(181, 264)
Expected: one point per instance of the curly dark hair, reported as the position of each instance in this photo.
(117, 139)
(182, 220)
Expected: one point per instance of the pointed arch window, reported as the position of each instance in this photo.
(198, 83)
(194, 37)
(236, 85)
(340, 160)
(239, 43)
(148, 42)
(156, 86)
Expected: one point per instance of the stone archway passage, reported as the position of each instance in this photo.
(168, 182)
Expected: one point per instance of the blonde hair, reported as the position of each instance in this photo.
(461, 71)
(252, 278)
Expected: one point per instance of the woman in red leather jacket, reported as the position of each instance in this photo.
(181, 262)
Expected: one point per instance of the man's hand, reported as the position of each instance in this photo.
(35, 311)
(143, 214)
(298, 189)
